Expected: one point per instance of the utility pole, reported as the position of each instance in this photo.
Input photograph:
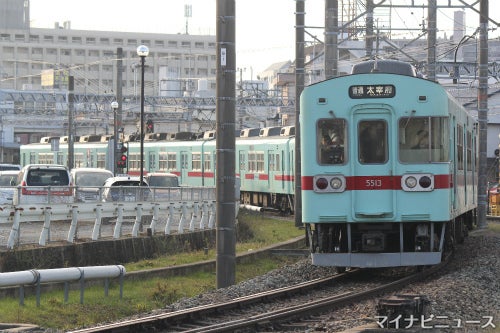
(482, 113)
(299, 87)
(118, 111)
(71, 127)
(225, 143)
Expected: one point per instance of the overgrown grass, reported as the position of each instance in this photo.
(142, 296)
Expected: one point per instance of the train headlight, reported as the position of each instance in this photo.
(411, 182)
(422, 182)
(329, 183)
(336, 183)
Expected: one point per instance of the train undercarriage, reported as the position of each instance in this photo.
(269, 201)
(385, 244)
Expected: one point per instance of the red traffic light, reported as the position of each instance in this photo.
(122, 162)
(149, 126)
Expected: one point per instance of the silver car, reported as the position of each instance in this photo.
(125, 188)
(8, 181)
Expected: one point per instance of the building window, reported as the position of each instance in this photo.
(77, 40)
(185, 44)
(118, 41)
(48, 38)
(199, 45)
(172, 43)
(90, 40)
(62, 39)
(34, 38)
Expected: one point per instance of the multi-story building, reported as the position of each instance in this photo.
(91, 58)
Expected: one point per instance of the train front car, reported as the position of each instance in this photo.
(392, 177)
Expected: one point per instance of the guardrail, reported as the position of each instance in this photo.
(36, 277)
(186, 215)
(164, 209)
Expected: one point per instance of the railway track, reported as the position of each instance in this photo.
(263, 310)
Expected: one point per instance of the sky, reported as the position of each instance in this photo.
(264, 28)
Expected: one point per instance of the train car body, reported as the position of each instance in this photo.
(264, 164)
(388, 165)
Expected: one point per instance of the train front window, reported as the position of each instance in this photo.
(424, 139)
(372, 142)
(330, 140)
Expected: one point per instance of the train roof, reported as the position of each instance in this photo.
(384, 66)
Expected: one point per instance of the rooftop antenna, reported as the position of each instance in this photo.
(188, 12)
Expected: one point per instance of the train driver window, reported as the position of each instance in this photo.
(372, 141)
(330, 138)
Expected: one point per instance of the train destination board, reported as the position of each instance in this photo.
(372, 91)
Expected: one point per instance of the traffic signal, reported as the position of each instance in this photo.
(150, 126)
(122, 162)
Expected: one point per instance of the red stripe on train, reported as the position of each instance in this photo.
(356, 183)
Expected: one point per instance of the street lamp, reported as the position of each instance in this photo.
(114, 107)
(142, 51)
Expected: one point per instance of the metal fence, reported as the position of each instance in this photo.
(164, 210)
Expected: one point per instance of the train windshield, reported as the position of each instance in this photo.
(424, 139)
(372, 142)
(330, 138)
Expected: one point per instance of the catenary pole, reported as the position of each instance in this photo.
(431, 40)
(299, 86)
(331, 38)
(482, 112)
(225, 143)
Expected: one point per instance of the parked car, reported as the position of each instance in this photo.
(125, 188)
(5, 167)
(88, 183)
(43, 183)
(8, 181)
(164, 186)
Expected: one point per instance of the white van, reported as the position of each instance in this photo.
(88, 183)
(43, 183)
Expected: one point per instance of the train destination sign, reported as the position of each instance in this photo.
(372, 91)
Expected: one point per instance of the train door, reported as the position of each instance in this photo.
(373, 164)
(273, 165)
(184, 167)
(152, 161)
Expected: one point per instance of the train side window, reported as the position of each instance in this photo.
(372, 142)
(424, 140)
(330, 138)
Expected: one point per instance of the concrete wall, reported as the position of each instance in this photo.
(104, 252)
